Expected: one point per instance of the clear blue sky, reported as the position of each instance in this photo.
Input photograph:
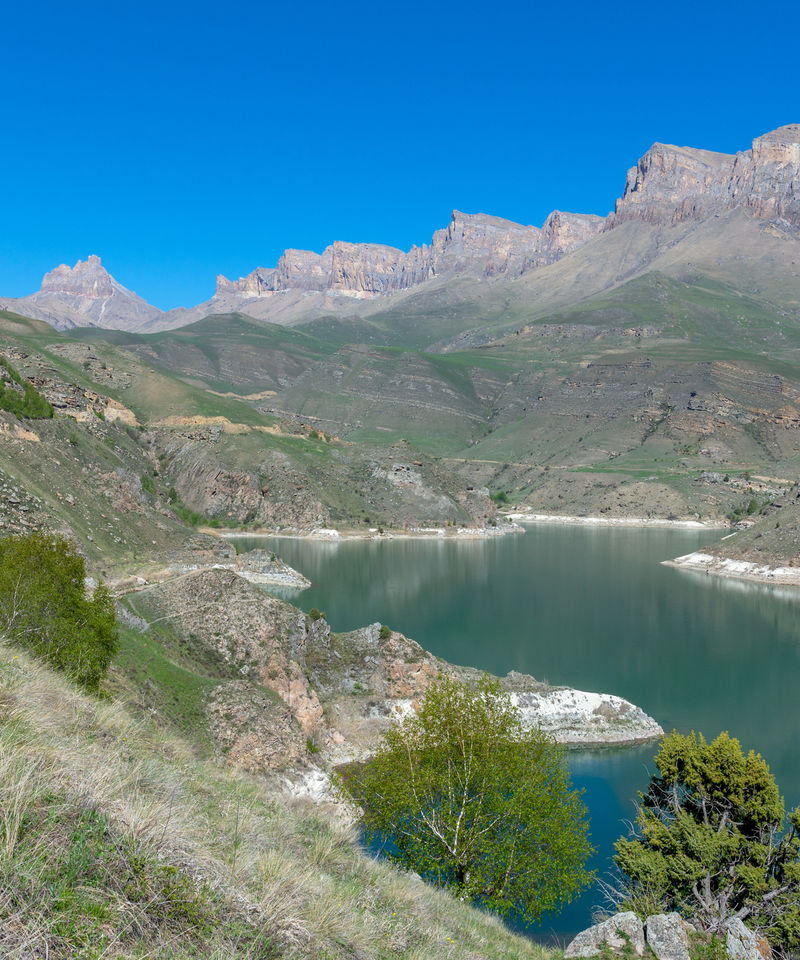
(181, 140)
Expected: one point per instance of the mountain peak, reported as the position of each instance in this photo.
(87, 278)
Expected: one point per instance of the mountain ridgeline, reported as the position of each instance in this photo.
(667, 187)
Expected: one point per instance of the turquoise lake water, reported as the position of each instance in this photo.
(594, 609)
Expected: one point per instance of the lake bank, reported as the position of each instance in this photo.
(655, 522)
(702, 562)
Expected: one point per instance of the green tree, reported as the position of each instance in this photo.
(712, 842)
(465, 795)
(45, 608)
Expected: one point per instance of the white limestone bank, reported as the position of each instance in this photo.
(738, 569)
(332, 535)
(573, 717)
(613, 521)
(577, 717)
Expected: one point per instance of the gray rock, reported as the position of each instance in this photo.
(616, 932)
(668, 936)
(743, 944)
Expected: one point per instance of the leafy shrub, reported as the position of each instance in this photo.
(27, 403)
(386, 632)
(473, 801)
(314, 614)
(44, 607)
(499, 497)
(148, 484)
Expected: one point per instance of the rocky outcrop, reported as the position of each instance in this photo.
(671, 184)
(667, 936)
(615, 932)
(86, 295)
(743, 944)
(342, 691)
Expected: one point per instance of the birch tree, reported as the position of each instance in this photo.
(463, 794)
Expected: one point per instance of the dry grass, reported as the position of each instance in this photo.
(276, 873)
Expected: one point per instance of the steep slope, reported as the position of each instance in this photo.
(120, 841)
(133, 451)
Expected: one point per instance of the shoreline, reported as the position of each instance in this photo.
(333, 535)
(710, 563)
(661, 522)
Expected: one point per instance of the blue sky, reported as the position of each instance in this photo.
(178, 141)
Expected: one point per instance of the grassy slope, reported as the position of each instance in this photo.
(118, 841)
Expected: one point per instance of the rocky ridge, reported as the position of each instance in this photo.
(669, 185)
(471, 243)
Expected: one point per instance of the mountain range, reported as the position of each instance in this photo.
(671, 188)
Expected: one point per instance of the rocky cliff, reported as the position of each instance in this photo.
(286, 677)
(671, 184)
(473, 244)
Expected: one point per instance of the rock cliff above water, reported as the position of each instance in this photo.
(341, 690)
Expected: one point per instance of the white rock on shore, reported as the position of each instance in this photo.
(575, 716)
(739, 569)
(611, 521)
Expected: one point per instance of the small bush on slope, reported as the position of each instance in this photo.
(26, 402)
(44, 607)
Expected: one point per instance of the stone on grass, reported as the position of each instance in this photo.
(743, 944)
(616, 932)
(668, 936)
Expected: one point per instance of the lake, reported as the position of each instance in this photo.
(592, 608)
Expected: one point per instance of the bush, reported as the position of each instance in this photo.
(386, 632)
(468, 798)
(500, 497)
(27, 402)
(314, 614)
(44, 607)
(711, 841)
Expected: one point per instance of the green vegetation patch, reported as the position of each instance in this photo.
(44, 607)
(26, 401)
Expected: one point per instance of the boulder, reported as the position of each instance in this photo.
(668, 936)
(615, 932)
(743, 944)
